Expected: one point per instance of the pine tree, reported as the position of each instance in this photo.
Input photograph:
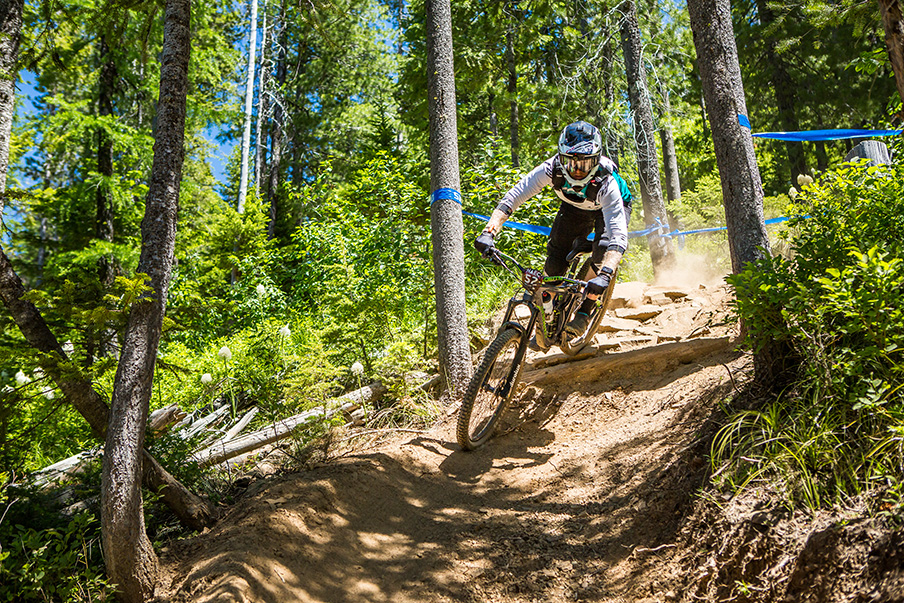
(445, 212)
(129, 555)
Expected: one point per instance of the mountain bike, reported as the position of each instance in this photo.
(498, 372)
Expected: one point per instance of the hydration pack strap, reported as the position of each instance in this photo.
(590, 191)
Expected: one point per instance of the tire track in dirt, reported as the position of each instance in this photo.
(581, 498)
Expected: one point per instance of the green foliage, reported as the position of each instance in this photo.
(808, 65)
(836, 307)
(359, 265)
(55, 563)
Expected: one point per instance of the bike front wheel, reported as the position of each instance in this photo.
(490, 389)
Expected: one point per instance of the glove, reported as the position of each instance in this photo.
(485, 243)
(598, 284)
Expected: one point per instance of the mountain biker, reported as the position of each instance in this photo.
(592, 197)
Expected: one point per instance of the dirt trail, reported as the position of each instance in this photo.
(580, 499)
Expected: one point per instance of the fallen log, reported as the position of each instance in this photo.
(652, 359)
(222, 451)
(196, 427)
(238, 427)
(73, 465)
(163, 418)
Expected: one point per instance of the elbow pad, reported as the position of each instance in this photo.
(617, 248)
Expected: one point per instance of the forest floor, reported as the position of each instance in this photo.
(591, 493)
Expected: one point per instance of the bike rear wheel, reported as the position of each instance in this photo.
(490, 389)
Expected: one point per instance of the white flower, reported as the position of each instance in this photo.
(804, 179)
(7, 389)
(38, 373)
(225, 353)
(48, 393)
(69, 348)
(792, 193)
(206, 378)
(357, 369)
(22, 378)
(261, 289)
(285, 332)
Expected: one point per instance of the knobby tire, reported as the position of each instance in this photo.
(490, 389)
(573, 345)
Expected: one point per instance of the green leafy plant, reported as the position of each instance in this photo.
(836, 307)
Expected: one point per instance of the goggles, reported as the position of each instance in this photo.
(578, 165)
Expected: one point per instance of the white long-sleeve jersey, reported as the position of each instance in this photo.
(608, 200)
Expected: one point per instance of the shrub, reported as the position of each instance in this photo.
(55, 563)
(838, 308)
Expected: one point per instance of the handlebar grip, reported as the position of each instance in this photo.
(492, 254)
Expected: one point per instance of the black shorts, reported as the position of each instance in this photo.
(571, 223)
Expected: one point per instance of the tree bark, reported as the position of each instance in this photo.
(612, 140)
(494, 121)
(645, 138)
(10, 33)
(262, 106)
(129, 556)
(445, 213)
(723, 90)
(512, 88)
(894, 37)
(742, 189)
(785, 93)
(277, 131)
(103, 216)
(669, 157)
(249, 102)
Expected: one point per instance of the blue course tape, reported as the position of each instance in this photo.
(542, 230)
(681, 233)
(445, 193)
(657, 227)
(816, 135)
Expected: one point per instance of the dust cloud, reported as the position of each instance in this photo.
(692, 270)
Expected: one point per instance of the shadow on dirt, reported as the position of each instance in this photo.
(523, 518)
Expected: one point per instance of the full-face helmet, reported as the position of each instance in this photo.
(580, 145)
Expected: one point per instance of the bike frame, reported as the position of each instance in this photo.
(535, 283)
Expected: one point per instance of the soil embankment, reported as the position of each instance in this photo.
(587, 495)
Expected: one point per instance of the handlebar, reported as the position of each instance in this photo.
(531, 278)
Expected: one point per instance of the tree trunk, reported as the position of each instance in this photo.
(742, 189)
(262, 106)
(512, 89)
(645, 138)
(612, 140)
(103, 217)
(445, 211)
(893, 20)
(494, 121)
(669, 157)
(249, 104)
(277, 130)
(785, 93)
(10, 31)
(129, 556)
